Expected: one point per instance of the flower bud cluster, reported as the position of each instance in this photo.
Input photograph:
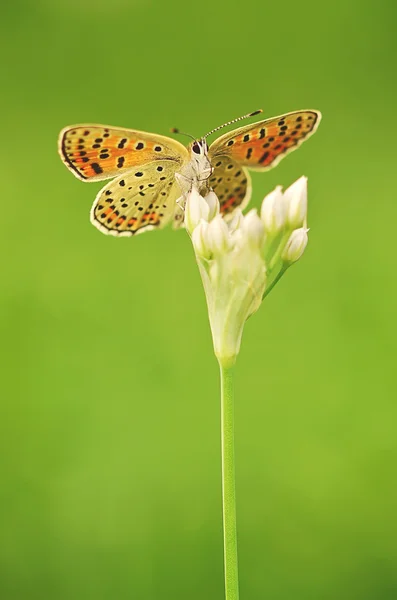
(241, 258)
(280, 214)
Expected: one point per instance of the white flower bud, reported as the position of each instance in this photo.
(218, 235)
(196, 208)
(200, 239)
(254, 228)
(273, 212)
(295, 198)
(213, 203)
(237, 221)
(295, 246)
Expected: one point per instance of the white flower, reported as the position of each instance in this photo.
(273, 211)
(213, 203)
(196, 208)
(218, 235)
(254, 228)
(295, 246)
(241, 260)
(200, 239)
(237, 221)
(296, 201)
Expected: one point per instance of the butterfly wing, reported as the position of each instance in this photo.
(138, 201)
(97, 152)
(262, 145)
(231, 182)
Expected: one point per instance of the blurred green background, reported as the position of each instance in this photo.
(109, 417)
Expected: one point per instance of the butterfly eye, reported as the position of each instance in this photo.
(196, 148)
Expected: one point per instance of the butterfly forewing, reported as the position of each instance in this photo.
(262, 145)
(141, 200)
(96, 152)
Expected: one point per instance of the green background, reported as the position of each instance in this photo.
(109, 418)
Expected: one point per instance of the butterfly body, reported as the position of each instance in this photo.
(198, 169)
(150, 172)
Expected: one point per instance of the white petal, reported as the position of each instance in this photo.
(296, 202)
(200, 239)
(218, 236)
(254, 228)
(213, 204)
(273, 211)
(296, 245)
(196, 208)
(237, 221)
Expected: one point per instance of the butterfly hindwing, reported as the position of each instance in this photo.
(231, 183)
(262, 145)
(140, 200)
(97, 152)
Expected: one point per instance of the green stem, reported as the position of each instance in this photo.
(275, 280)
(228, 480)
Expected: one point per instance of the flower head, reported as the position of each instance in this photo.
(241, 260)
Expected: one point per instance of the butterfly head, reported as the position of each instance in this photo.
(199, 158)
(198, 148)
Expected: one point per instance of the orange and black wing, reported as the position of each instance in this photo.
(96, 152)
(262, 145)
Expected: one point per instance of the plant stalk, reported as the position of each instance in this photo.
(228, 479)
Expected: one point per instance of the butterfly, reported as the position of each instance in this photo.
(149, 172)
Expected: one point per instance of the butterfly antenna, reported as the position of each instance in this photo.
(176, 130)
(256, 112)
